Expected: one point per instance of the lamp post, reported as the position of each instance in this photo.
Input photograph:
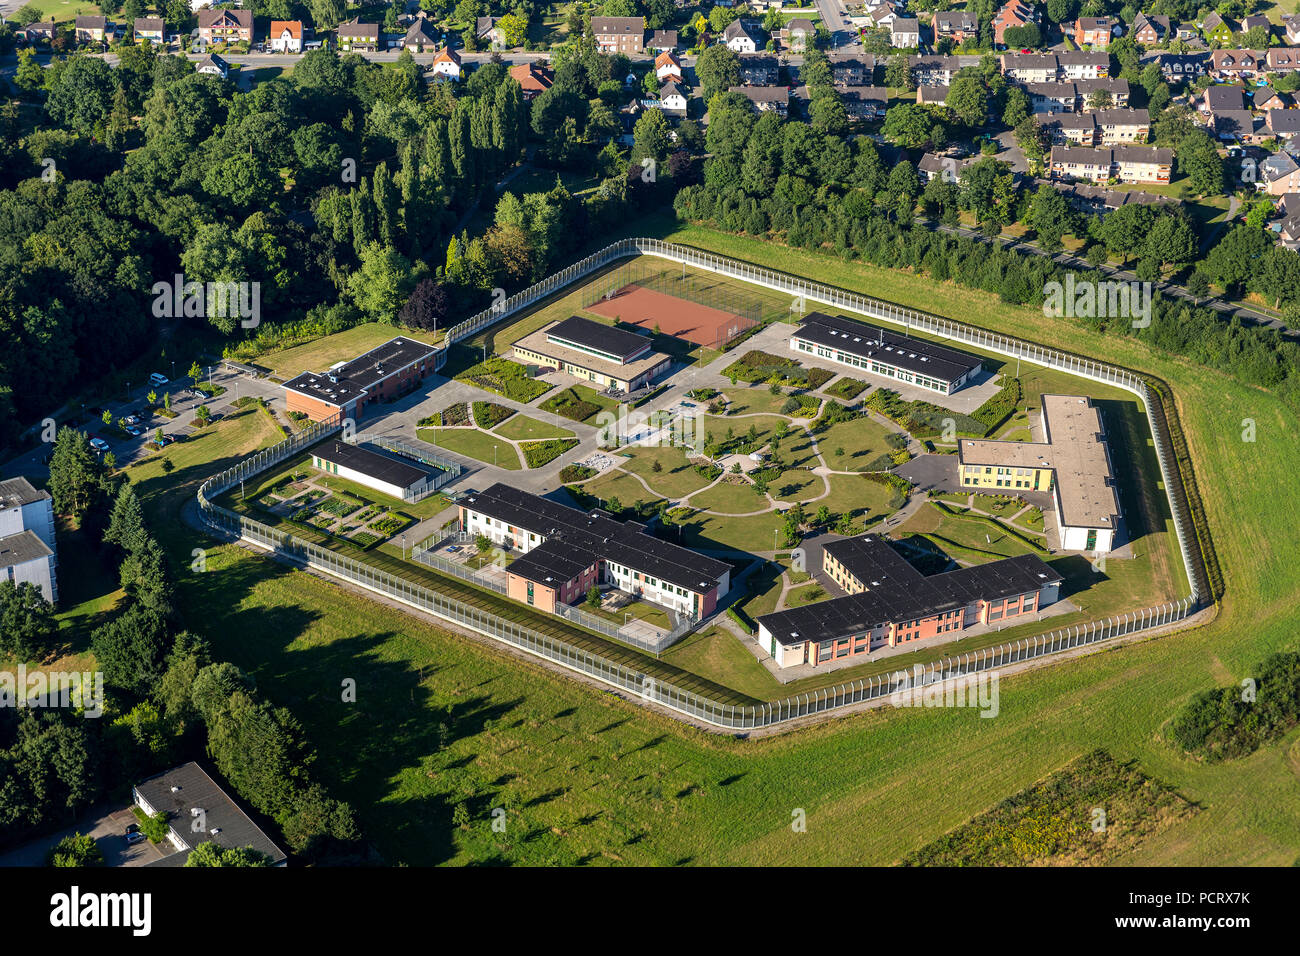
(494, 456)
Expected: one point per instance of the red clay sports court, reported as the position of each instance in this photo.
(700, 324)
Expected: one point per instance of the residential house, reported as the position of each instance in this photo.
(1251, 22)
(1053, 97)
(738, 38)
(420, 37)
(760, 70)
(533, 77)
(1183, 67)
(662, 41)
(1068, 129)
(1122, 126)
(852, 69)
(1232, 64)
(931, 95)
(1013, 13)
(286, 36)
(1116, 87)
(1288, 232)
(1278, 174)
(905, 33)
(212, 65)
(1222, 97)
(865, 102)
(227, 26)
(667, 67)
(90, 29)
(800, 34)
(1235, 126)
(1128, 164)
(948, 168)
(619, 34)
(933, 70)
(1083, 65)
(1216, 29)
(1283, 123)
(489, 33)
(1291, 29)
(1098, 200)
(1282, 59)
(672, 99)
(446, 65)
(1267, 98)
(37, 32)
(1143, 164)
(148, 28)
(764, 98)
(355, 36)
(1150, 29)
(956, 25)
(1031, 67)
(1094, 32)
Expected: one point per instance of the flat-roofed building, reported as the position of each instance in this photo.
(890, 603)
(888, 354)
(601, 354)
(398, 478)
(565, 551)
(382, 374)
(1073, 462)
(186, 794)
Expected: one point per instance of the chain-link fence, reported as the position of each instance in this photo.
(448, 470)
(680, 700)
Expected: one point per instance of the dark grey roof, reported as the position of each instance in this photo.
(15, 492)
(1219, 98)
(379, 467)
(898, 592)
(341, 385)
(21, 548)
(552, 563)
(225, 823)
(901, 351)
(599, 336)
(598, 536)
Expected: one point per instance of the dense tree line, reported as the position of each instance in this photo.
(339, 191)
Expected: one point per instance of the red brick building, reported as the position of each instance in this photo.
(382, 374)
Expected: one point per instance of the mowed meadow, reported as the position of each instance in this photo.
(445, 729)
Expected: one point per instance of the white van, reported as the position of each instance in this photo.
(157, 378)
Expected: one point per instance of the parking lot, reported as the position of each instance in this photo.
(107, 826)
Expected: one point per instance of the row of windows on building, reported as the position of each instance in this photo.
(844, 358)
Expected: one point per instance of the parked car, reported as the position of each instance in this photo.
(157, 378)
(133, 834)
(135, 431)
(99, 445)
(132, 419)
(162, 441)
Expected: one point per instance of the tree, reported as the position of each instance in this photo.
(593, 597)
(75, 850)
(126, 523)
(27, 625)
(130, 648)
(650, 137)
(82, 95)
(74, 473)
(428, 305)
(968, 99)
(717, 69)
(1048, 217)
(382, 284)
(209, 854)
(912, 126)
(1172, 240)
(898, 73)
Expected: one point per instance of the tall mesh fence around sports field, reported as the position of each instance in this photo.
(746, 310)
